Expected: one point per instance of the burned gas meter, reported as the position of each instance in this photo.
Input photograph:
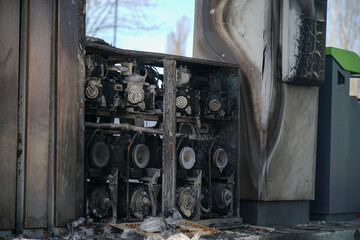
(126, 116)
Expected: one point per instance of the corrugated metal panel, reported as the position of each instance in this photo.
(9, 67)
(66, 110)
(37, 124)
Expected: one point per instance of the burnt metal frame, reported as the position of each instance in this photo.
(169, 164)
(169, 137)
(151, 181)
(20, 179)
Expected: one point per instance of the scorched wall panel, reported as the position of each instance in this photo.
(9, 72)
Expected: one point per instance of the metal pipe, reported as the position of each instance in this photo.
(210, 175)
(128, 173)
(117, 128)
(123, 127)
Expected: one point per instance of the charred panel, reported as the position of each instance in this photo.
(303, 51)
(285, 46)
(9, 73)
(66, 111)
(37, 124)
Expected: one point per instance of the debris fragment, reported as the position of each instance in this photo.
(80, 233)
(132, 235)
(73, 225)
(178, 236)
(218, 236)
(173, 218)
(153, 224)
(80, 221)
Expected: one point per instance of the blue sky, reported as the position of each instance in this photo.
(165, 13)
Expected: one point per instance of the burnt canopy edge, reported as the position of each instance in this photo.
(118, 54)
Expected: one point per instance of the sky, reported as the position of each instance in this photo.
(165, 13)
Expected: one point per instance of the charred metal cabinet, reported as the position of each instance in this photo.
(337, 193)
(40, 121)
(161, 133)
(280, 47)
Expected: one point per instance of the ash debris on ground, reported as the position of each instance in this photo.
(247, 230)
(170, 227)
(130, 234)
(80, 229)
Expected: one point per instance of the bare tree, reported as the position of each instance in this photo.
(176, 40)
(344, 24)
(125, 16)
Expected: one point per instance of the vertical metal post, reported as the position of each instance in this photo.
(115, 21)
(20, 176)
(210, 175)
(38, 67)
(237, 171)
(52, 113)
(80, 191)
(128, 176)
(169, 137)
(66, 122)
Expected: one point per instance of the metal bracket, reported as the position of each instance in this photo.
(151, 180)
(113, 186)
